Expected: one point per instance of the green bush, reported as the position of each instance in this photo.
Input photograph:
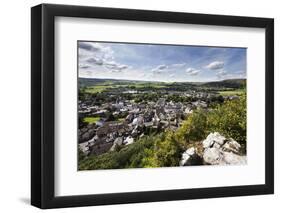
(130, 156)
(229, 119)
(166, 152)
(193, 128)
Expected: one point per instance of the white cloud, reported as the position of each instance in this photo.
(159, 69)
(162, 67)
(93, 55)
(94, 60)
(225, 75)
(222, 74)
(172, 75)
(192, 71)
(85, 73)
(89, 46)
(115, 67)
(178, 65)
(240, 72)
(215, 65)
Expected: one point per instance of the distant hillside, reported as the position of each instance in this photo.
(229, 83)
(94, 81)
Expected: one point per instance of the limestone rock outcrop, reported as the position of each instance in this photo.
(217, 150)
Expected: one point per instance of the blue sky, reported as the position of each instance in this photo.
(169, 63)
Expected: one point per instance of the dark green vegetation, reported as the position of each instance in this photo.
(164, 149)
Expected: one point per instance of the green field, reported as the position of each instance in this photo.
(232, 92)
(152, 85)
(96, 89)
(109, 85)
(91, 120)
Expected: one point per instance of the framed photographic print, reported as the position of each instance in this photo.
(139, 106)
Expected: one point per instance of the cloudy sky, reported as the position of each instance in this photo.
(160, 62)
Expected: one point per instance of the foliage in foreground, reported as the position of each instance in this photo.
(164, 149)
(129, 157)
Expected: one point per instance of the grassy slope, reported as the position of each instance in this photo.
(232, 92)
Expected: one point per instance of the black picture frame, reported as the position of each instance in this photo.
(43, 111)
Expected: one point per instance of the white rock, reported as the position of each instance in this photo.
(213, 138)
(190, 157)
(220, 151)
(190, 151)
(231, 146)
(187, 155)
(212, 156)
(233, 159)
(215, 156)
(184, 158)
(216, 145)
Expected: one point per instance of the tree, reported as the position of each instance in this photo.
(193, 129)
(166, 152)
(169, 152)
(230, 119)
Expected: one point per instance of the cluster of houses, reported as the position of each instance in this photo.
(135, 120)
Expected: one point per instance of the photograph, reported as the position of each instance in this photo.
(160, 105)
(133, 105)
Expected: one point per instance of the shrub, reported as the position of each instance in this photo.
(194, 128)
(230, 119)
(166, 152)
(130, 156)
